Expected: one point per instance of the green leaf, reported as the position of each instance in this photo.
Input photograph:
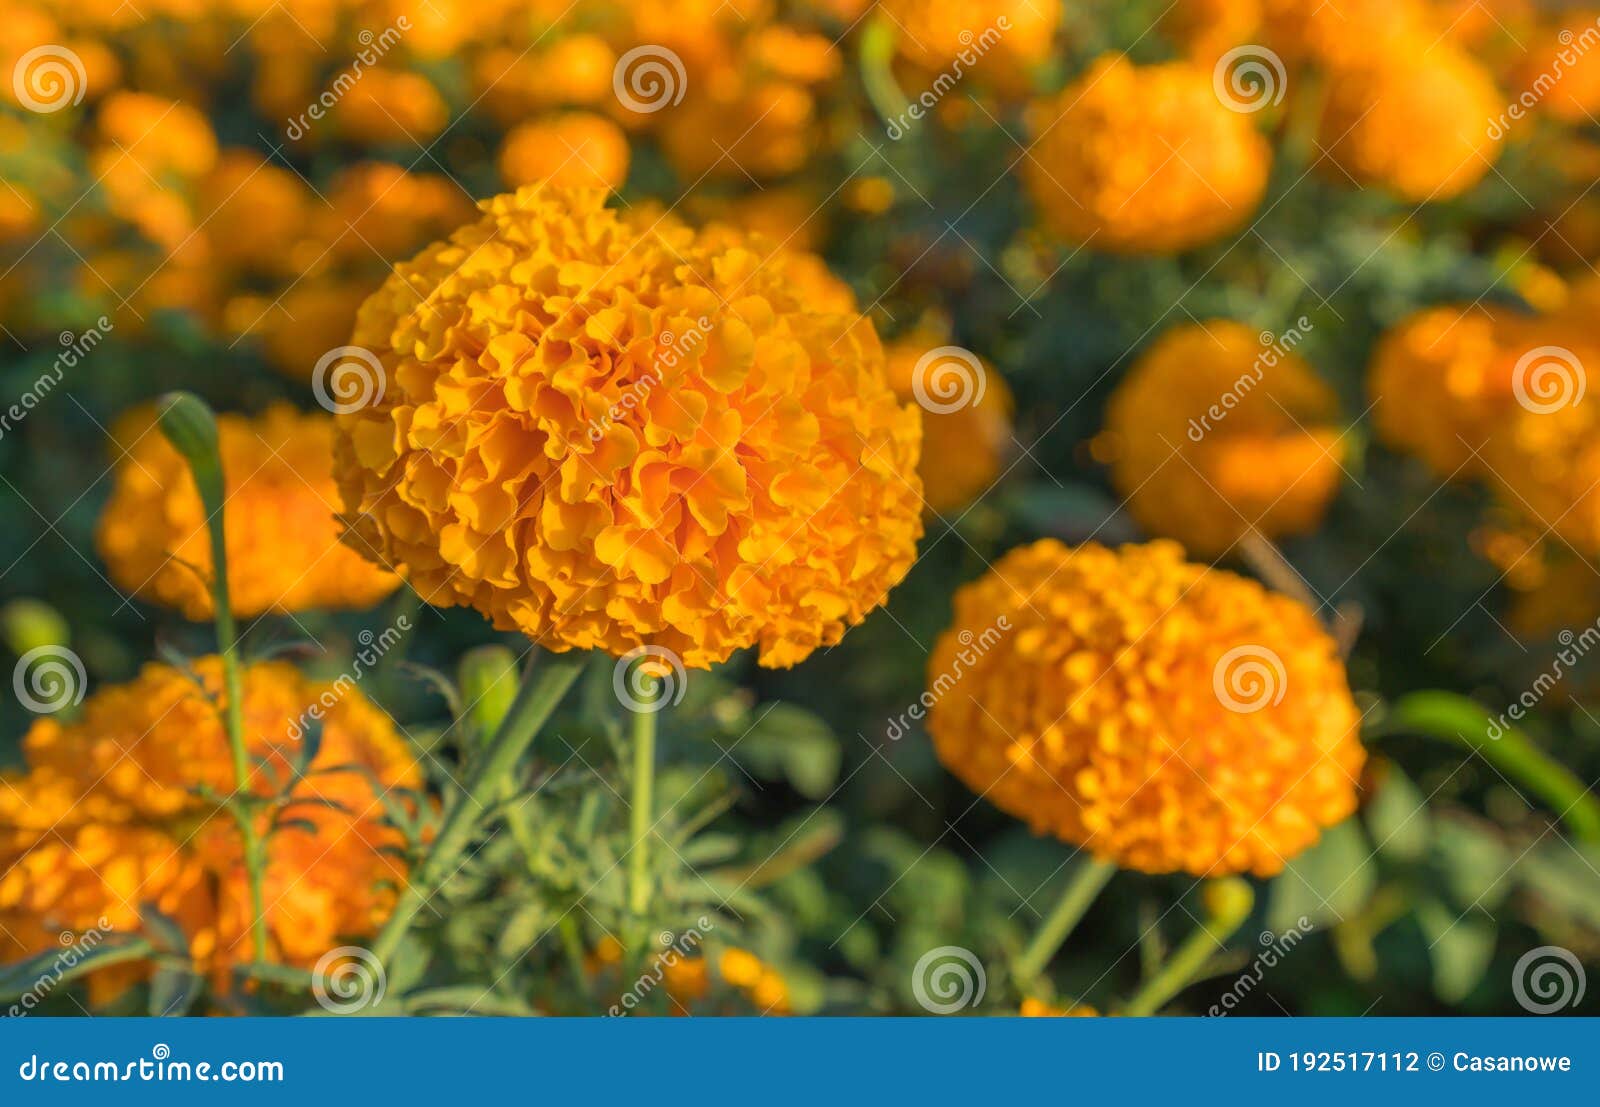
(49, 970)
(1474, 863)
(1327, 883)
(1460, 948)
(1566, 879)
(1398, 817)
(791, 744)
(173, 991)
(169, 936)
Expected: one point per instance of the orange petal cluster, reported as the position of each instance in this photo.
(1144, 158)
(964, 449)
(284, 552)
(108, 818)
(1216, 431)
(609, 430)
(1160, 714)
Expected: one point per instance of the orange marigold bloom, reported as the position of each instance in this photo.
(1039, 1009)
(1160, 714)
(107, 819)
(1441, 383)
(1411, 115)
(390, 106)
(250, 210)
(1545, 459)
(1144, 158)
(606, 435)
(578, 148)
(963, 448)
(1216, 432)
(1008, 37)
(284, 552)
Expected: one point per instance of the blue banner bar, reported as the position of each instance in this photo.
(811, 1061)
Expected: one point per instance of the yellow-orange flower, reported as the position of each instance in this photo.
(1039, 1009)
(964, 448)
(1411, 114)
(392, 106)
(999, 39)
(1216, 432)
(109, 818)
(606, 435)
(1144, 158)
(578, 148)
(1158, 713)
(284, 552)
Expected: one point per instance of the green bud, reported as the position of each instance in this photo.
(28, 624)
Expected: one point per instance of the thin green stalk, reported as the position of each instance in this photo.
(877, 72)
(1080, 892)
(542, 689)
(641, 799)
(1227, 902)
(189, 425)
(1448, 717)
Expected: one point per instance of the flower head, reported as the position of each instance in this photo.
(110, 817)
(1216, 432)
(284, 552)
(578, 148)
(964, 444)
(1161, 714)
(999, 39)
(1144, 158)
(609, 430)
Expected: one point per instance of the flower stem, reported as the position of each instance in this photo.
(1080, 892)
(542, 689)
(877, 71)
(1228, 902)
(641, 800)
(1451, 718)
(190, 426)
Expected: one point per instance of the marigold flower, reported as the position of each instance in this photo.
(1216, 432)
(963, 449)
(606, 435)
(109, 818)
(1005, 37)
(1039, 1009)
(578, 148)
(1158, 713)
(284, 552)
(1412, 116)
(250, 210)
(391, 106)
(1144, 158)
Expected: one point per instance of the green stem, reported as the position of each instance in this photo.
(877, 71)
(1451, 718)
(641, 800)
(1080, 892)
(542, 689)
(1228, 904)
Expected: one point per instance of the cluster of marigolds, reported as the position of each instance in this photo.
(531, 454)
